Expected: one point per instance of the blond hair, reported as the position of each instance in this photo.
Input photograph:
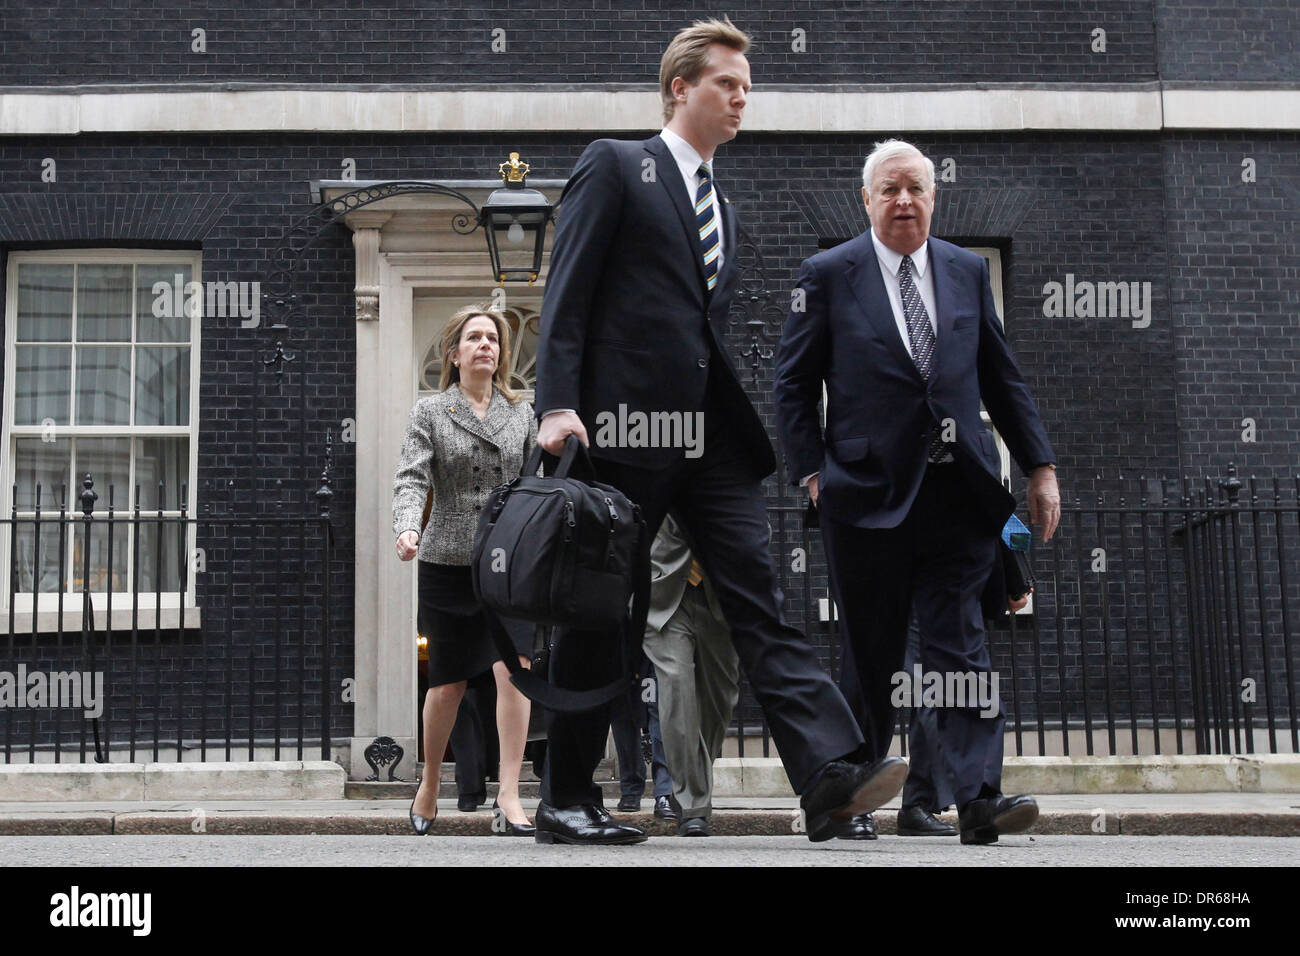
(688, 54)
(451, 334)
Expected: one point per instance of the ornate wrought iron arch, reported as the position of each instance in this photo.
(281, 299)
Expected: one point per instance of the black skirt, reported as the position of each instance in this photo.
(460, 646)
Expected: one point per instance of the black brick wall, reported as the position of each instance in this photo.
(335, 41)
(1228, 40)
(1166, 209)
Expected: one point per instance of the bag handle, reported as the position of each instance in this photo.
(573, 449)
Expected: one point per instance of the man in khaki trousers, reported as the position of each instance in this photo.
(696, 672)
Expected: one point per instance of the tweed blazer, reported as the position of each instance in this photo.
(462, 459)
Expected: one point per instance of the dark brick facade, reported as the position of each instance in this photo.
(1168, 208)
(333, 41)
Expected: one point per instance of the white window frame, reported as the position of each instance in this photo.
(46, 605)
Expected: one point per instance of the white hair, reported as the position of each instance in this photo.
(892, 149)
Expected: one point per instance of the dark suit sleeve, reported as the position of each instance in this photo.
(589, 217)
(1003, 389)
(800, 369)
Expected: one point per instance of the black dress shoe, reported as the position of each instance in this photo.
(846, 790)
(693, 826)
(501, 825)
(419, 824)
(628, 804)
(469, 802)
(585, 825)
(917, 821)
(861, 827)
(982, 821)
(665, 810)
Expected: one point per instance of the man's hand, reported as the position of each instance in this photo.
(812, 488)
(1044, 501)
(408, 545)
(555, 428)
(1014, 604)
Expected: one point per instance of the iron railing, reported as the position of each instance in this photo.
(214, 639)
(1163, 620)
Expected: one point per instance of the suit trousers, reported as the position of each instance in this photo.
(722, 509)
(938, 561)
(697, 678)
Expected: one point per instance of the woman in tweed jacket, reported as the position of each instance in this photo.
(460, 444)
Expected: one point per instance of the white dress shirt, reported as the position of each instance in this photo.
(688, 161)
(922, 278)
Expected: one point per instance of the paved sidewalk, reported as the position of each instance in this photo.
(1112, 814)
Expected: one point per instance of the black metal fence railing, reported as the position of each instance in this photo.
(165, 632)
(1164, 620)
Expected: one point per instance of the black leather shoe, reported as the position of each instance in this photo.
(861, 827)
(628, 804)
(983, 821)
(501, 825)
(585, 825)
(917, 821)
(693, 826)
(664, 809)
(419, 824)
(469, 802)
(846, 790)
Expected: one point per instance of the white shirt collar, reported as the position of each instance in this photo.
(892, 260)
(687, 158)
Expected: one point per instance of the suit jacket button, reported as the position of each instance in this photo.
(498, 469)
(702, 363)
(476, 467)
(476, 487)
(478, 507)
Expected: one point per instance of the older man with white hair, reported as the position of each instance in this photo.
(901, 329)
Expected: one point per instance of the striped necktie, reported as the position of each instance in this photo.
(706, 217)
(921, 336)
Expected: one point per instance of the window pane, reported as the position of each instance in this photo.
(160, 570)
(157, 317)
(25, 558)
(162, 386)
(108, 462)
(44, 303)
(103, 385)
(104, 303)
(166, 460)
(102, 571)
(44, 463)
(43, 384)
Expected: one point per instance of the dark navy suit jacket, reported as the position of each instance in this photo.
(879, 412)
(627, 317)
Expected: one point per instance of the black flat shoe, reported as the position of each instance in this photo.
(861, 827)
(585, 825)
(501, 825)
(468, 803)
(628, 804)
(983, 821)
(419, 824)
(846, 790)
(917, 821)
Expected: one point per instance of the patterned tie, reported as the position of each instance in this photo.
(921, 336)
(706, 217)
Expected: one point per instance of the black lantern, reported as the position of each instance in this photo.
(514, 220)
